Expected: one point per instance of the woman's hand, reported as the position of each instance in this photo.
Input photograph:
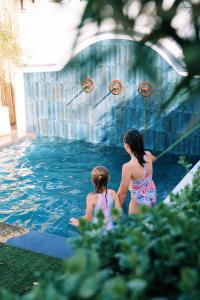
(152, 157)
(74, 222)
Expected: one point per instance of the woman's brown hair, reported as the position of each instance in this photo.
(135, 140)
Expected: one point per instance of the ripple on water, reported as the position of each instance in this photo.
(74, 192)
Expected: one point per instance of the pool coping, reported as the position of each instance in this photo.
(8, 231)
(35, 241)
(14, 137)
(186, 180)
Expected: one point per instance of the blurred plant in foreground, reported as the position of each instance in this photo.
(153, 255)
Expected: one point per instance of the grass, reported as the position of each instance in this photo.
(20, 269)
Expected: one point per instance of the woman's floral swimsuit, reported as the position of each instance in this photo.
(143, 191)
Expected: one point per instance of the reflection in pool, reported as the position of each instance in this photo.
(44, 182)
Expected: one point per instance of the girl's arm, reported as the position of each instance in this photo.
(124, 185)
(88, 213)
(89, 208)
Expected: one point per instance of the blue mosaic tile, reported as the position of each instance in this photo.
(56, 105)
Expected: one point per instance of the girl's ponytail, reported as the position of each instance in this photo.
(100, 177)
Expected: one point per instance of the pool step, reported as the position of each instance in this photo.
(44, 243)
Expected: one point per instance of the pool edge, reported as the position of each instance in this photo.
(186, 180)
(35, 241)
(14, 137)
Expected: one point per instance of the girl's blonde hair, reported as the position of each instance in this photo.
(100, 178)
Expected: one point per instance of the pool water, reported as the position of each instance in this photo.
(45, 181)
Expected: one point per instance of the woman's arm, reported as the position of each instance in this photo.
(116, 200)
(153, 157)
(88, 213)
(124, 185)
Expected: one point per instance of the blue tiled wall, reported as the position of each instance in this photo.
(56, 105)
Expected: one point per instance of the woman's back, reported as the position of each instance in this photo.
(137, 173)
(137, 170)
(142, 188)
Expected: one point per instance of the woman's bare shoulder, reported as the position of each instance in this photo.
(128, 165)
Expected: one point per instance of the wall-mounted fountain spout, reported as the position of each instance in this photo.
(87, 84)
(145, 89)
(116, 87)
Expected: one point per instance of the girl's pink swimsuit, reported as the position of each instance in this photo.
(143, 191)
(105, 203)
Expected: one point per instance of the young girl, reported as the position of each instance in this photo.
(137, 173)
(102, 199)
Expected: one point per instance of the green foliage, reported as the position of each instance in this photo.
(10, 52)
(154, 255)
(10, 48)
(159, 20)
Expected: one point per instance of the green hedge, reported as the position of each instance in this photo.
(154, 255)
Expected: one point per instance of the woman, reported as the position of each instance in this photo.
(137, 173)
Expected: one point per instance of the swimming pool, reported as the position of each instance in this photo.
(44, 181)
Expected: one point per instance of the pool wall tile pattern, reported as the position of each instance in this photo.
(57, 107)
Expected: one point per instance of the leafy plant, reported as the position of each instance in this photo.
(153, 255)
(10, 53)
(160, 20)
(177, 21)
(10, 48)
